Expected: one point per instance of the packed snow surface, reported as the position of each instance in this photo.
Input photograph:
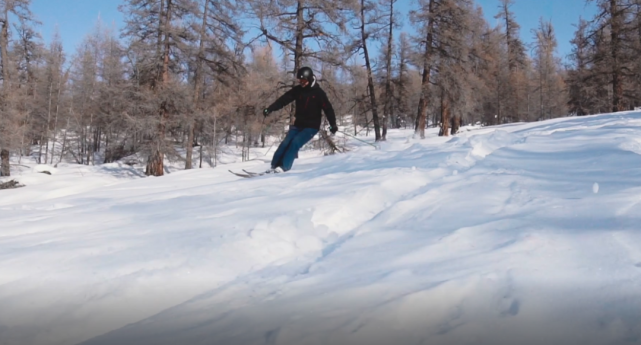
(513, 234)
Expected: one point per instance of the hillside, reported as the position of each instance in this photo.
(521, 233)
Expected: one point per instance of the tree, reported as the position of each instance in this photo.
(577, 80)
(158, 34)
(211, 56)
(55, 83)
(388, 51)
(10, 121)
(445, 26)
(402, 83)
(604, 75)
(614, 16)
(368, 17)
(516, 61)
(290, 24)
(28, 52)
(427, 19)
(550, 85)
(453, 62)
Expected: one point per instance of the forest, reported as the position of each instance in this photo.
(196, 74)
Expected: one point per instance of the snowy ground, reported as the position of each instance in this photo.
(517, 234)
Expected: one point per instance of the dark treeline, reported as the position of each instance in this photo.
(606, 71)
(185, 75)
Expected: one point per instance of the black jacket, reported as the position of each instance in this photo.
(309, 103)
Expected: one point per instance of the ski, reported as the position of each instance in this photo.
(254, 174)
(247, 174)
(250, 174)
(241, 174)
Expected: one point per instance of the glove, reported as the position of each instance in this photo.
(266, 112)
(333, 129)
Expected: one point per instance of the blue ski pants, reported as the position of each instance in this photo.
(288, 149)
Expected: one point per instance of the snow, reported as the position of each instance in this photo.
(514, 234)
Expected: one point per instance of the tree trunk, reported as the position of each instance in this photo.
(40, 148)
(456, 124)
(198, 77)
(48, 121)
(497, 117)
(155, 162)
(5, 166)
(298, 52)
(388, 77)
(4, 41)
(55, 121)
(423, 102)
(64, 143)
(215, 143)
(445, 116)
(615, 32)
(189, 147)
(88, 147)
(370, 80)
(4, 45)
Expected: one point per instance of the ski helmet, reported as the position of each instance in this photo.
(305, 73)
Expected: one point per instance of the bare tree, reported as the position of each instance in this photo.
(54, 61)
(388, 51)
(211, 56)
(402, 83)
(426, 18)
(605, 59)
(550, 84)
(10, 121)
(369, 24)
(157, 36)
(578, 93)
(444, 24)
(516, 61)
(616, 23)
(453, 71)
(290, 24)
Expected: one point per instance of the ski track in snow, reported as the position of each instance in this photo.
(494, 236)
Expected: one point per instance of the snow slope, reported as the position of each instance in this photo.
(516, 234)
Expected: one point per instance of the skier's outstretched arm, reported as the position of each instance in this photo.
(329, 111)
(283, 100)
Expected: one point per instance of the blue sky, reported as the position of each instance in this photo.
(74, 19)
(564, 14)
(77, 18)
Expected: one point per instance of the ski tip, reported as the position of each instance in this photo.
(240, 174)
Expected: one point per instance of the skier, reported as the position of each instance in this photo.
(310, 100)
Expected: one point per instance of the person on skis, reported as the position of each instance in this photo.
(310, 100)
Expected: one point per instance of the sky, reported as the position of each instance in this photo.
(563, 14)
(76, 18)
